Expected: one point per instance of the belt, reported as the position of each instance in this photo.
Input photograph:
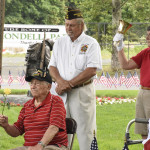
(83, 84)
(145, 88)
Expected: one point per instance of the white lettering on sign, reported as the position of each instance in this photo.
(19, 35)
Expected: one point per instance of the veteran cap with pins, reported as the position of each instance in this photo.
(40, 74)
(73, 13)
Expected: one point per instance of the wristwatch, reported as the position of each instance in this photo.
(41, 143)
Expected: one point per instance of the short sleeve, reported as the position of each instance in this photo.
(54, 55)
(19, 124)
(94, 56)
(58, 113)
(139, 58)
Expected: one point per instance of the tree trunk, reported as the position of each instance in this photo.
(2, 14)
(116, 16)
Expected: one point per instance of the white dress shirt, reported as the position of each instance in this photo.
(72, 58)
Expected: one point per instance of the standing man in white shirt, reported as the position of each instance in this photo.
(76, 58)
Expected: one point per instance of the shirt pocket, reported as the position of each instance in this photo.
(80, 62)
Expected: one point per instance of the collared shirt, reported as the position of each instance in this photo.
(142, 59)
(72, 58)
(34, 121)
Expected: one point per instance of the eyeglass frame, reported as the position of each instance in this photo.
(37, 83)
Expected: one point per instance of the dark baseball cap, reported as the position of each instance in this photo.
(41, 75)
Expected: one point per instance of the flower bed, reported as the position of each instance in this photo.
(113, 100)
(99, 101)
(10, 103)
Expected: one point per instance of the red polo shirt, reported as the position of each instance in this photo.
(34, 121)
(142, 59)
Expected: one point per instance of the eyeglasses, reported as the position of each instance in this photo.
(37, 83)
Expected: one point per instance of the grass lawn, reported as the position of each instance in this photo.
(112, 121)
(111, 125)
(117, 93)
(7, 142)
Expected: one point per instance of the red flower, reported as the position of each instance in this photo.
(100, 100)
(109, 98)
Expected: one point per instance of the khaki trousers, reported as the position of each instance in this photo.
(49, 147)
(81, 106)
(142, 111)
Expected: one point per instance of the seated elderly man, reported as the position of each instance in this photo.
(42, 119)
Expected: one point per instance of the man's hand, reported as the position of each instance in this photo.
(62, 86)
(36, 147)
(3, 121)
(119, 39)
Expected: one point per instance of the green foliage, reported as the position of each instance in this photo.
(137, 49)
(34, 12)
(137, 8)
(7, 142)
(96, 10)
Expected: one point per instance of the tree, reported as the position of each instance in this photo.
(136, 11)
(105, 11)
(2, 14)
(116, 16)
(34, 12)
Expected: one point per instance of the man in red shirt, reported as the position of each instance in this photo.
(42, 119)
(140, 61)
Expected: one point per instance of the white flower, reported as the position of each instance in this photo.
(109, 100)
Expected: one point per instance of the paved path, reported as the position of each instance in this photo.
(17, 99)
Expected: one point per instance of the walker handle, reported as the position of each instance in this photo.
(141, 120)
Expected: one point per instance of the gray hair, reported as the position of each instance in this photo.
(81, 20)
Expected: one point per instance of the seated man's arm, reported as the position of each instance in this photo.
(48, 136)
(10, 129)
